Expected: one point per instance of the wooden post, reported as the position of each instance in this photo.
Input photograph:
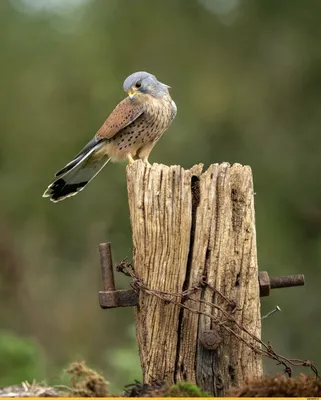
(188, 224)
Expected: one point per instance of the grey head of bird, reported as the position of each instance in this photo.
(144, 83)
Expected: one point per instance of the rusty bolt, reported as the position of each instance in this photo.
(210, 339)
(267, 283)
(264, 282)
(286, 281)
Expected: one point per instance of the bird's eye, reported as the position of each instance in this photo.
(138, 84)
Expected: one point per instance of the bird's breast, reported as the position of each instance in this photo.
(161, 111)
(145, 130)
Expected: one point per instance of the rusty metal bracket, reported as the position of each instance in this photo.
(111, 298)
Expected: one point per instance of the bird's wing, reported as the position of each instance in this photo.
(124, 114)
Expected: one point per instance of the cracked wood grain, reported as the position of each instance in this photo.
(187, 224)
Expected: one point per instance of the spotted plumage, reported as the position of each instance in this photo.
(130, 132)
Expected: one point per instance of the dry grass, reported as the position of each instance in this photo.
(279, 386)
(86, 382)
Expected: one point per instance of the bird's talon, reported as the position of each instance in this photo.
(130, 159)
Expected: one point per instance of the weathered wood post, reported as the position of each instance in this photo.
(187, 224)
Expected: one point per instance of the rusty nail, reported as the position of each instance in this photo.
(106, 263)
(210, 339)
(277, 308)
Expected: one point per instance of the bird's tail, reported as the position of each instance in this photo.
(75, 175)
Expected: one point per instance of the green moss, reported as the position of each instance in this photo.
(186, 389)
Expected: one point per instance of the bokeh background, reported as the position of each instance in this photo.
(246, 76)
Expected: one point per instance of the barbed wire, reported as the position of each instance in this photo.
(179, 299)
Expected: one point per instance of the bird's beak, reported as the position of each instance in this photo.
(131, 93)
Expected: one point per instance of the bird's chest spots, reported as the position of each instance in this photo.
(147, 128)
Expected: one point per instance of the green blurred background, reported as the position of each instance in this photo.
(246, 77)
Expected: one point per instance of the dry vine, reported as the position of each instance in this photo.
(255, 343)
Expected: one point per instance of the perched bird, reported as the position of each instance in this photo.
(130, 132)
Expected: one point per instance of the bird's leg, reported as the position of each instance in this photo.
(130, 159)
(145, 151)
(145, 160)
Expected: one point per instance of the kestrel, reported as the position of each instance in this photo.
(130, 132)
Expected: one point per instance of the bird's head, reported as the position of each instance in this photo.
(144, 83)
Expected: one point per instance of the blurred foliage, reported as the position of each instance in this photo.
(246, 78)
(20, 359)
